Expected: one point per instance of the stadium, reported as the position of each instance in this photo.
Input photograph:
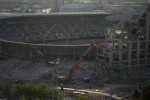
(48, 33)
(60, 39)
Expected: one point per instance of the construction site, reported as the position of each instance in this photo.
(96, 54)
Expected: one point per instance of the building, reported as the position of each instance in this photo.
(128, 45)
(123, 1)
(77, 7)
(59, 6)
(56, 4)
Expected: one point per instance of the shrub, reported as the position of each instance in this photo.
(146, 91)
(41, 91)
(22, 98)
(136, 93)
(81, 98)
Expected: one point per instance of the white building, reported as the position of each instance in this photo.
(56, 4)
(77, 7)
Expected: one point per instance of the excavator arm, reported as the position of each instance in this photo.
(82, 58)
(74, 68)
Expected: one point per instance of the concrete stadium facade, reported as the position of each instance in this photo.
(28, 51)
(19, 50)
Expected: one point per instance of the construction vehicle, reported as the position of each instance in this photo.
(92, 45)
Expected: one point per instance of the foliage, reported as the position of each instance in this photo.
(136, 93)
(29, 91)
(22, 98)
(37, 99)
(146, 91)
(7, 86)
(41, 91)
(145, 95)
(1, 94)
(33, 11)
(139, 98)
(1, 90)
(81, 98)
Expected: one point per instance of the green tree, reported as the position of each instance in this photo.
(28, 90)
(22, 98)
(37, 99)
(7, 86)
(33, 11)
(1, 94)
(136, 93)
(81, 98)
(146, 91)
(1, 90)
(40, 91)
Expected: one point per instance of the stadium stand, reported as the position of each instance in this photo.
(119, 17)
(33, 28)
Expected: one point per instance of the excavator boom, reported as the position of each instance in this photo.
(74, 67)
(82, 58)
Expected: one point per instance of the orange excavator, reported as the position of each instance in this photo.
(63, 78)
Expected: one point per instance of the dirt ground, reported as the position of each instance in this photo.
(28, 71)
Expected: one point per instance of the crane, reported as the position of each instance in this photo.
(62, 78)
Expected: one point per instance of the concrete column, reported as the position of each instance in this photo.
(147, 26)
(138, 53)
(74, 53)
(0, 48)
(52, 53)
(59, 52)
(120, 53)
(110, 58)
(147, 36)
(129, 53)
(24, 51)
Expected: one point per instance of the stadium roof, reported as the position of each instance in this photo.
(7, 15)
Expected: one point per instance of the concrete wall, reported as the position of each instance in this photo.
(28, 51)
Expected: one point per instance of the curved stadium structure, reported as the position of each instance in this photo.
(22, 36)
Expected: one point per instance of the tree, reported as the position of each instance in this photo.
(37, 99)
(1, 94)
(7, 87)
(33, 11)
(42, 90)
(136, 93)
(25, 89)
(39, 91)
(81, 98)
(1, 90)
(22, 98)
(146, 91)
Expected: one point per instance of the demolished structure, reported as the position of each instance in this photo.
(128, 45)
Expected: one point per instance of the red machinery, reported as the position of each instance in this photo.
(82, 58)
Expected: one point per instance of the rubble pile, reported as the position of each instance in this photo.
(26, 70)
(14, 66)
(21, 70)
